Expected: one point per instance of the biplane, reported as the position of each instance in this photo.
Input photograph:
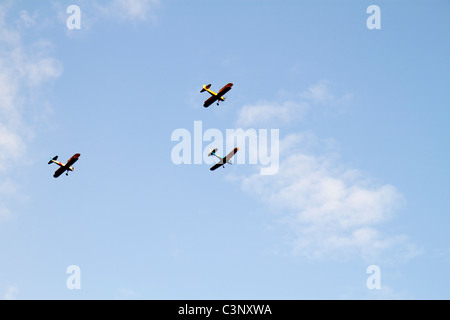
(223, 160)
(64, 166)
(215, 96)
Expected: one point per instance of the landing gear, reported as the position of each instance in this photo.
(67, 173)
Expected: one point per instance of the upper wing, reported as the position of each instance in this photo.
(217, 165)
(225, 89)
(210, 101)
(59, 172)
(72, 160)
(231, 154)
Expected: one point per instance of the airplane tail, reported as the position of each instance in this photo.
(212, 152)
(53, 159)
(205, 87)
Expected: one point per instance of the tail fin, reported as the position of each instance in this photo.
(53, 159)
(212, 152)
(205, 87)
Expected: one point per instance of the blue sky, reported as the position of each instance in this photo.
(363, 176)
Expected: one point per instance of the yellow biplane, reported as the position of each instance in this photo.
(215, 96)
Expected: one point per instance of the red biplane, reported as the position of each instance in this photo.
(64, 166)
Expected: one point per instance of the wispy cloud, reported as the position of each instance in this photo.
(384, 293)
(26, 19)
(131, 10)
(331, 210)
(295, 107)
(11, 293)
(263, 112)
(122, 11)
(24, 69)
(5, 214)
(125, 293)
(321, 94)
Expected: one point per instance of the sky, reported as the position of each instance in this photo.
(340, 189)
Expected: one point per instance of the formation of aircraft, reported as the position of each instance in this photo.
(219, 96)
(215, 96)
(64, 167)
(224, 160)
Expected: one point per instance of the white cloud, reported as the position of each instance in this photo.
(42, 70)
(320, 94)
(330, 210)
(8, 94)
(11, 293)
(125, 293)
(26, 19)
(12, 145)
(129, 10)
(263, 112)
(7, 35)
(95, 12)
(5, 214)
(384, 293)
(24, 69)
(295, 107)
(8, 187)
(135, 9)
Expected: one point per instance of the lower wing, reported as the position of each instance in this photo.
(210, 101)
(59, 172)
(217, 165)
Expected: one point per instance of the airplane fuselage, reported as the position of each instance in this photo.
(219, 157)
(63, 165)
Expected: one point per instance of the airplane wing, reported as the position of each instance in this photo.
(217, 165)
(210, 101)
(59, 172)
(224, 160)
(224, 90)
(72, 160)
(231, 154)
